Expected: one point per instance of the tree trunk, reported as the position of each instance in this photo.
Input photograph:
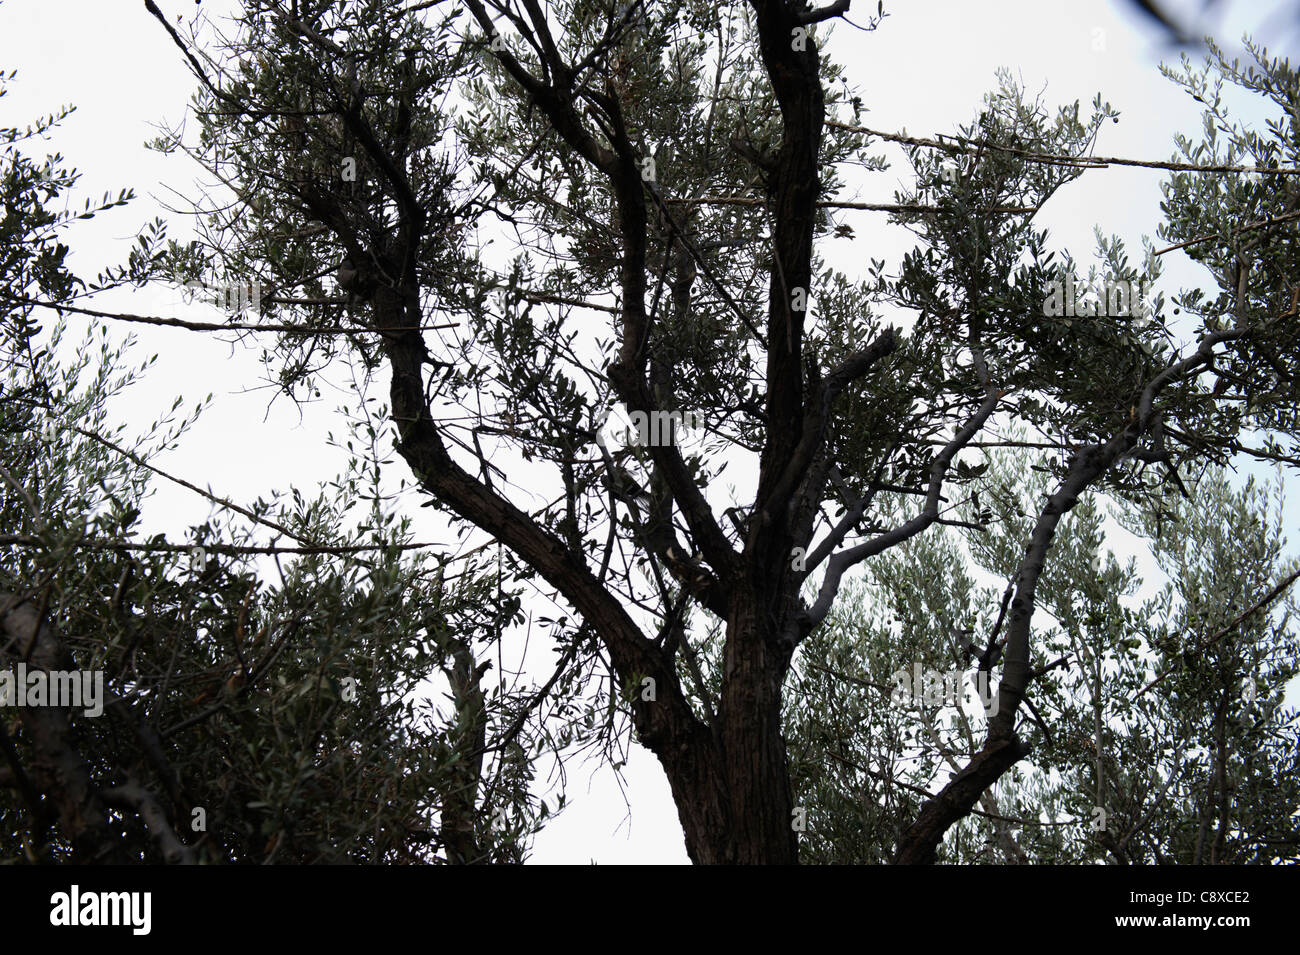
(740, 811)
(920, 843)
(460, 798)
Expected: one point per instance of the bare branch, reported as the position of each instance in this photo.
(131, 795)
(306, 330)
(963, 144)
(927, 516)
(807, 17)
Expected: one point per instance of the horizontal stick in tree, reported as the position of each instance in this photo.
(228, 326)
(962, 144)
(24, 540)
(864, 206)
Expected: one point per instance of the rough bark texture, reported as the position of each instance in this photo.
(920, 843)
(460, 799)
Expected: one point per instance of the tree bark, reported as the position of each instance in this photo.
(920, 843)
(753, 746)
(732, 787)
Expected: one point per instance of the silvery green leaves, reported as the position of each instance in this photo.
(979, 279)
(1135, 684)
(1244, 227)
(324, 142)
(632, 219)
(33, 266)
(1223, 654)
(275, 695)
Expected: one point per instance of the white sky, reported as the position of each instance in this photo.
(926, 68)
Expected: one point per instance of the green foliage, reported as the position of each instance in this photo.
(475, 195)
(280, 709)
(289, 701)
(1144, 712)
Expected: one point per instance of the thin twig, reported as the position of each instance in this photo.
(23, 540)
(230, 326)
(961, 143)
(838, 204)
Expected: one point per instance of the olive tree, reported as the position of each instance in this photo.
(623, 208)
(247, 702)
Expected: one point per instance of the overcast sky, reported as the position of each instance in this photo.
(926, 68)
